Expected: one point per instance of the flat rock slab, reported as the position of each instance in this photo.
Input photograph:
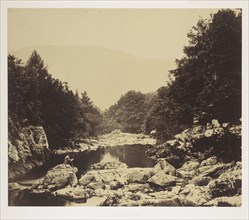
(76, 194)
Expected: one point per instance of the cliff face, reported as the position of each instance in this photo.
(27, 148)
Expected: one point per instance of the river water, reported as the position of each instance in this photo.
(132, 155)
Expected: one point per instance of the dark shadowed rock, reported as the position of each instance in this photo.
(227, 184)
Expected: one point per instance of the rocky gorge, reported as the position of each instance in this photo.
(194, 169)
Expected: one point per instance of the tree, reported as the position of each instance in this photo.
(129, 112)
(207, 81)
(34, 95)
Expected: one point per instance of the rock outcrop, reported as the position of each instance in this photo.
(27, 148)
(59, 177)
(214, 141)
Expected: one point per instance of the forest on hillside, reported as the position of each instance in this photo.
(206, 84)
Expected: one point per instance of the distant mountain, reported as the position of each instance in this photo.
(104, 73)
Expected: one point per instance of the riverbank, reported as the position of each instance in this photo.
(200, 167)
(204, 183)
(115, 138)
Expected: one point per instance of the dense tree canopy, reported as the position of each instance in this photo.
(38, 99)
(129, 112)
(207, 81)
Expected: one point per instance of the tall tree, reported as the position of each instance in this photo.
(207, 81)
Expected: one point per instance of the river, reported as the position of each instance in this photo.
(131, 155)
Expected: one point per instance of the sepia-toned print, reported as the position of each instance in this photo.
(124, 107)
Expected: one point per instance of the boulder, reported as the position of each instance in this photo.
(75, 194)
(171, 201)
(112, 200)
(163, 165)
(187, 174)
(198, 195)
(210, 161)
(215, 123)
(189, 166)
(12, 153)
(227, 184)
(16, 186)
(86, 179)
(200, 180)
(138, 175)
(176, 189)
(211, 170)
(114, 185)
(234, 201)
(105, 176)
(219, 131)
(96, 185)
(60, 176)
(209, 133)
(163, 180)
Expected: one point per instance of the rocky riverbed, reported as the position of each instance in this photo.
(196, 183)
(200, 167)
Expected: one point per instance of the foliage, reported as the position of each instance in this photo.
(129, 112)
(38, 99)
(207, 81)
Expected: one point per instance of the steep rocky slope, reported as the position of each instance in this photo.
(27, 148)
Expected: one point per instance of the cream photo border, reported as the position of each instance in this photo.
(7, 212)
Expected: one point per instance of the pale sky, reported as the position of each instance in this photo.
(142, 42)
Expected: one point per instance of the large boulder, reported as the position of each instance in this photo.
(227, 184)
(75, 194)
(163, 180)
(198, 195)
(138, 175)
(60, 176)
(163, 165)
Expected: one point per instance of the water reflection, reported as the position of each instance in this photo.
(133, 156)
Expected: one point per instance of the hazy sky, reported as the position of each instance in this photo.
(142, 33)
